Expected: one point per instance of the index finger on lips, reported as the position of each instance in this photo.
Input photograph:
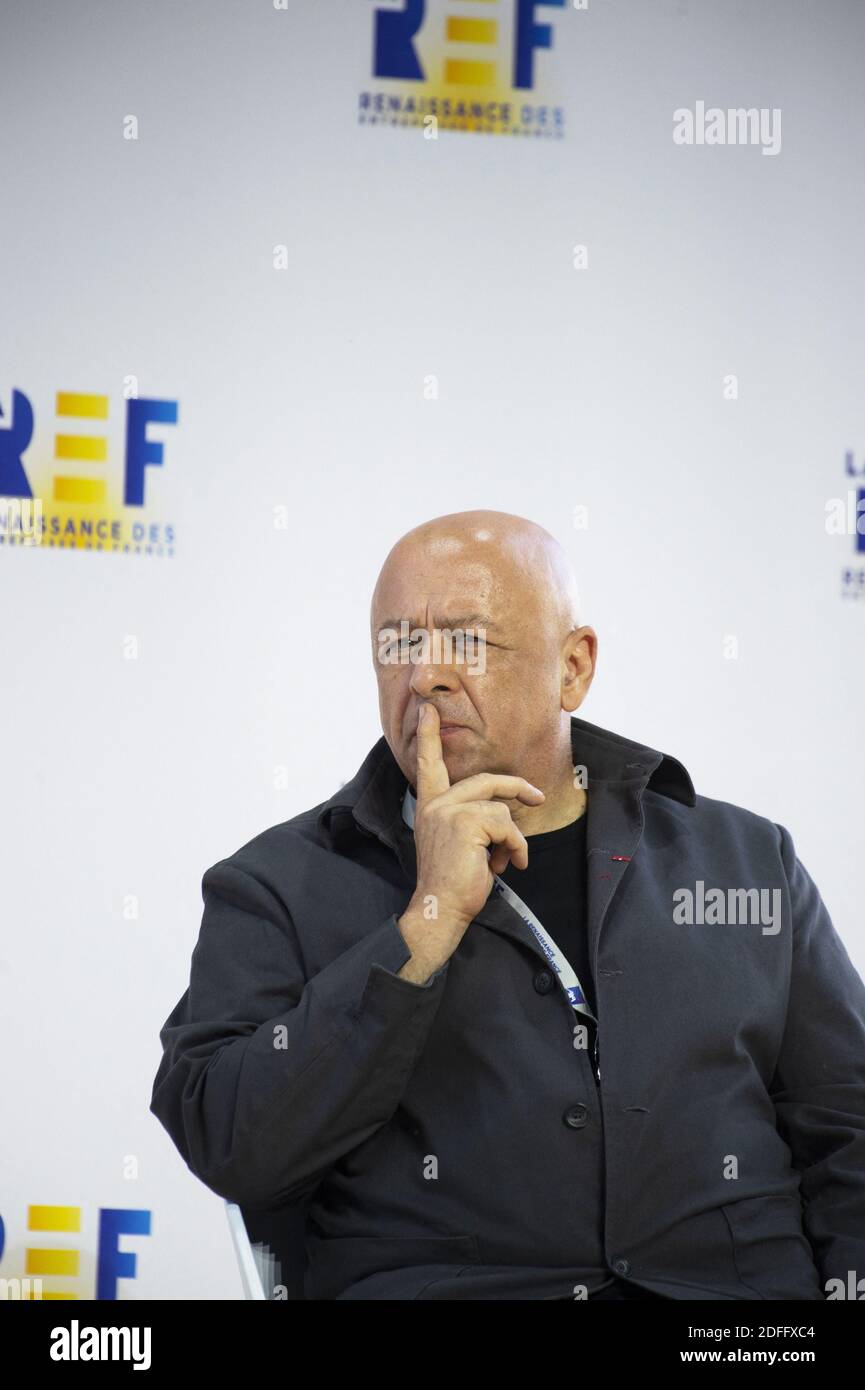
(432, 775)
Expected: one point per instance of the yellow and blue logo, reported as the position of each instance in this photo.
(471, 65)
(61, 1264)
(67, 494)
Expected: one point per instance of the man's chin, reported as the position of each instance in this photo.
(459, 765)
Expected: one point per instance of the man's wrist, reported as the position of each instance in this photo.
(429, 942)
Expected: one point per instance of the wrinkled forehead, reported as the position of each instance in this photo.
(447, 586)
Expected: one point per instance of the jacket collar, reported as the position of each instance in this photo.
(372, 799)
(617, 772)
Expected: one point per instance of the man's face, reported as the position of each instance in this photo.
(500, 697)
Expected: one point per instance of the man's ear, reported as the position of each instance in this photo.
(579, 658)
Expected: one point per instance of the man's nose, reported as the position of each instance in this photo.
(428, 676)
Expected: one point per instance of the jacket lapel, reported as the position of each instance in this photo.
(613, 833)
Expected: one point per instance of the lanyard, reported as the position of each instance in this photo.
(556, 958)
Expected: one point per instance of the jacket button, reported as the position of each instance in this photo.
(543, 982)
(576, 1116)
(621, 1267)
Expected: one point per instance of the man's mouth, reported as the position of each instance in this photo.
(449, 730)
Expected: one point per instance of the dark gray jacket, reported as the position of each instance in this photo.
(451, 1141)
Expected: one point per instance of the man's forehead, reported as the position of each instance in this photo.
(441, 616)
(453, 592)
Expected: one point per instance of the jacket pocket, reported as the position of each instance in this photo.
(771, 1252)
(384, 1266)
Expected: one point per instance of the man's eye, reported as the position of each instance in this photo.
(470, 642)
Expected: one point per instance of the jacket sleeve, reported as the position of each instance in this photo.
(819, 1083)
(267, 1079)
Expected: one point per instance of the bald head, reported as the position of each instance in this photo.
(509, 583)
(524, 559)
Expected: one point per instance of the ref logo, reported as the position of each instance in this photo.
(84, 486)
(463, 65)
(50, 1261)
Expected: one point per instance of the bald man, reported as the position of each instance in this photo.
(515, 1014)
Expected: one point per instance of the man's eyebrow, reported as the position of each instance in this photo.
(469, 620)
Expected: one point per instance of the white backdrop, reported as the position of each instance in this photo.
(424, 344)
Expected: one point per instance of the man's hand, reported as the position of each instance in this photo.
(453, 828)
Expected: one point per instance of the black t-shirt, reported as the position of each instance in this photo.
(554, 887)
